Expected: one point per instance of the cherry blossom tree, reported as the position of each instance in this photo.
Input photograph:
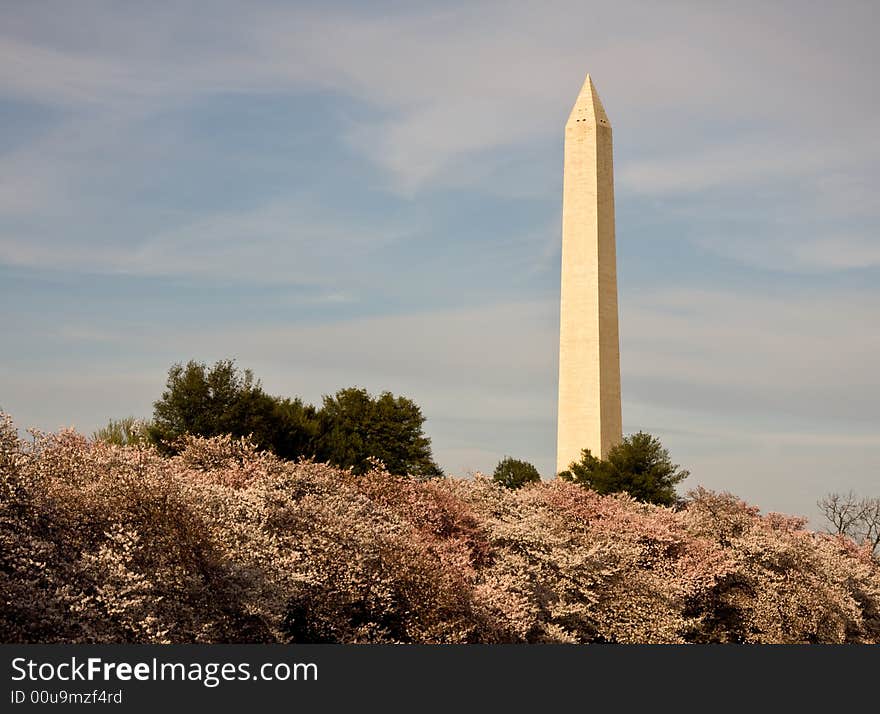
(224, 542)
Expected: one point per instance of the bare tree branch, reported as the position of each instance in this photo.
(850, 515)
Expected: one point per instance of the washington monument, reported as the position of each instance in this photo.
(589, 351)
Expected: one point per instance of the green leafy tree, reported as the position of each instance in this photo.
(356, 427)
(349, 429)
(513, 473)
(638, 465)
(296, 429)
(210, 401)
(128, 431)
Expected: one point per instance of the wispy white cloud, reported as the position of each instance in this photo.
(283, 239)
(804, 248)
(45, 73)
(478, 348)
(743, 161)
(839, 252)
(786, 355)
(462, 78)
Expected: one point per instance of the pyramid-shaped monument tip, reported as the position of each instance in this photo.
(588, 107)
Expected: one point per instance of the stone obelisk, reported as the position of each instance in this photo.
(589, 352)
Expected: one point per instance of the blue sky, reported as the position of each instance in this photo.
(369, 194)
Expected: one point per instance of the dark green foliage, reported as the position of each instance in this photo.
(356, 427)
(351, 427)
(296, 428)
(223, 400)
(513, 473)
(639, 465)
